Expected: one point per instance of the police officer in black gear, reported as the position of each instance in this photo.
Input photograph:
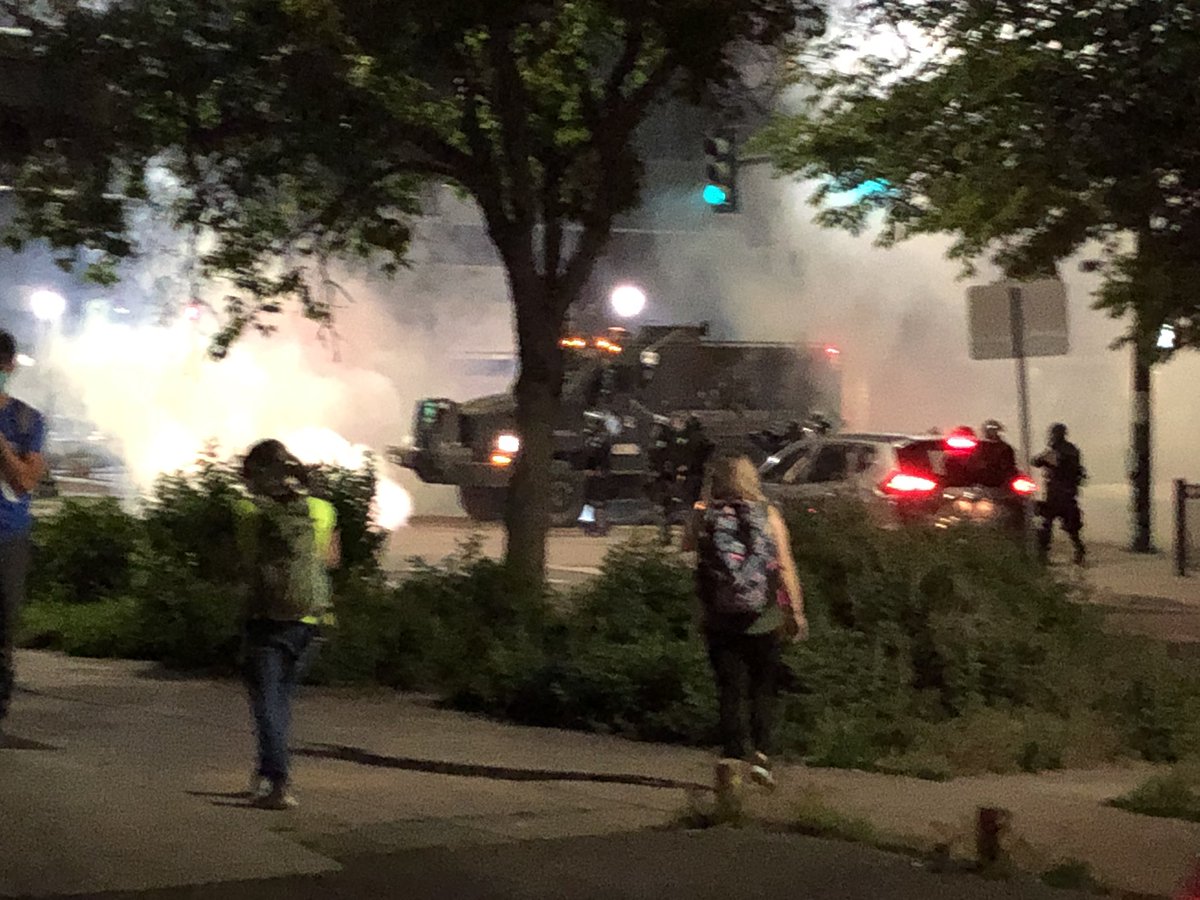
(819, 425)
(994, 458)
(663, 472)
(602, 426)
(697, 449)
(1064, 474)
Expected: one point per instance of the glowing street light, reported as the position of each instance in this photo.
(628, 300)
(1167, 338)
(47, 305)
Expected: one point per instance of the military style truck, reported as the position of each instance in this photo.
(630, 383)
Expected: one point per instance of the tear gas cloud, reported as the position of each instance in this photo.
(900, 318)
(330, 395)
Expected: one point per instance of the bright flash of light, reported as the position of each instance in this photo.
(393, 506)
(1166, 338)
(628, 300)
(24, 360)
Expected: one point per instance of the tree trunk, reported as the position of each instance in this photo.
(1140, 474)
(537, 394)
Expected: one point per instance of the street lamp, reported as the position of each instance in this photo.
(47, 305)
(628, 300)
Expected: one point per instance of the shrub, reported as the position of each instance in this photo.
(107, 628)
(165, 582)
(190, 520)
(83, 552)
(931, 654)
(1173, 795)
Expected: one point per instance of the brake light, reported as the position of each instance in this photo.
(906, 484)
(1024, 485)
(961, 443)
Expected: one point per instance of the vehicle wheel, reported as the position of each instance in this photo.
(483, 504)
(566, 499)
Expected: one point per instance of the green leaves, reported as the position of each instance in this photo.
(1024, 132)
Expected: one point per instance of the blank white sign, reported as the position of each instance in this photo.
(1044, 304)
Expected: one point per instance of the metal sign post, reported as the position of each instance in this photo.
(1016, 320)
(1016, 305)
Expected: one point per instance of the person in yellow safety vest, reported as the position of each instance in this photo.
(287, 542)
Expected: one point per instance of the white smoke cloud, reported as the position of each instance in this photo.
(900, 318)
(149, 384)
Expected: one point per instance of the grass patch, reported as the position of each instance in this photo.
(812, 817)
(1171, 795)
(1073, 875)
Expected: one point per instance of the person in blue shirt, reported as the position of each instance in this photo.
(22, 467)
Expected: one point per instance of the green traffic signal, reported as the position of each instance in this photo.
(715, 195)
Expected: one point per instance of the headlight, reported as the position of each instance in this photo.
(508, 443)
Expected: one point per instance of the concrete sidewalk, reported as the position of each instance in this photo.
(129, 782)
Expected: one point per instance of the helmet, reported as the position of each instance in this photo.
(818, 422)
(992, 429)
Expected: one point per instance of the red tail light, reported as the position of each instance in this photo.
(905, 484)
(1024, 485)
(962, 443)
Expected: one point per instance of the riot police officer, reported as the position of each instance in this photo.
(995, 459)
(697, 450)
(1064, 475)
(663, 472)
(603, 426)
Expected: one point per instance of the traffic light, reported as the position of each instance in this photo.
(720, 190)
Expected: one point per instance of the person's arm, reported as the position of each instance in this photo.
(24, 467)
(789, 573)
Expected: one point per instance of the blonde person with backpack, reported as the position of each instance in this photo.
(751, 602)
(287, 541)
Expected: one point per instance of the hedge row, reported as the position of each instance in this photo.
(931, 654)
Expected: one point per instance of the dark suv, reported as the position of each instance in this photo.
(943, 481)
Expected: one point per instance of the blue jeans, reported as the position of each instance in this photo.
(276, 656)
(14, 567)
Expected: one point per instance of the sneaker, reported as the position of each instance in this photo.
(277, 798)
(260, 786)
(760, 771)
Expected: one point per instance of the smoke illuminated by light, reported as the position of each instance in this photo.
(154, 390)
(313, 446)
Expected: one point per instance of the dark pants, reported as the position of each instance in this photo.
(745, 665)
(1065, 510)
(276, 656)
(14, 567)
